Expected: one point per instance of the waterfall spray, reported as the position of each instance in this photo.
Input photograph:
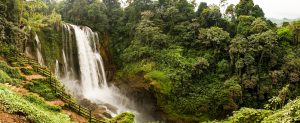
(89, 81)
(38, 51)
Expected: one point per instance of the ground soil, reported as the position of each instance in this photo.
(12, 118)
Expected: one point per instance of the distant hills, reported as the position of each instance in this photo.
(280, 21)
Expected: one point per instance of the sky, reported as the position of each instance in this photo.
(273, 8)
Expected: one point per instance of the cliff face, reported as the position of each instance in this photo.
(104, 42)
(51, 39)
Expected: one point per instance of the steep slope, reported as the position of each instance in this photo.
(29, 89)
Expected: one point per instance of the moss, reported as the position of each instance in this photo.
(140, 67)
(42, 87)
(51, 45)
(125, 117)
(160, 81)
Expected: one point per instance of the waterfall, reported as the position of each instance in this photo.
(38, 50)
(57, 73)
(84, 72)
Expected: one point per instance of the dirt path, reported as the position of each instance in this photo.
(34, 76)
(19, 90)
(76, 118)
(12, 118)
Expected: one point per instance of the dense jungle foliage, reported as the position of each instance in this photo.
(200, 64)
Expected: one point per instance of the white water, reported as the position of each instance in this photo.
(38, 51)
(57, 73)
(92, 82)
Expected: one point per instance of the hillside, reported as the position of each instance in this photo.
(280, 21)
(149, 61)
(27, 96)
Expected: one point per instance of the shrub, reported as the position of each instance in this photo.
(37, 112)
(125, 117)
(42, 87)
(4, 78)
(248, 115)
(12, 72)
(160, 81)
(40, 101)
(290, 113)
(26, 71)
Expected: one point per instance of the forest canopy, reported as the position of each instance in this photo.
(200, 64)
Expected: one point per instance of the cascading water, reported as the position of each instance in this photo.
(89, 81)
(38, 50)
(57, 73)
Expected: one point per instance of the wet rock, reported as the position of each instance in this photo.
(107, 115)
(111, 108)
(101, 112)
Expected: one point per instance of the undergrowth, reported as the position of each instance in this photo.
(32, 106)
(42, 87)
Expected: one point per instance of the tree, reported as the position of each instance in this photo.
(210, 16)
(114, 13)
(201, 66)
(296, 32)
(257, 11)
(258, 26)
(244, 25)
(244, 7)
(230, 11)
(213, 37)
(201, 7)
(149, 34)
(285, 34)
(186, 33)
(237, 49)
(172, 13)
(262, 45)
(89, 13)
(32, 17)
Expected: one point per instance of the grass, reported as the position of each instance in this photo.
(125, 117)
(42, 87)
(40, 101)
(12, 72)
(4, 78)
(26, 71)
(33, 107)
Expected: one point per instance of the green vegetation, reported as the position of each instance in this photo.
(4, 78)
(26, 71)
(12, 72)
(289, 113)
(42, 87)
(33, 107)
(247, 115)
(200, 66)
(122, 118)
(9, 75)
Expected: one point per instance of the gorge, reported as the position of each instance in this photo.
(82, 71)
(177, 61)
